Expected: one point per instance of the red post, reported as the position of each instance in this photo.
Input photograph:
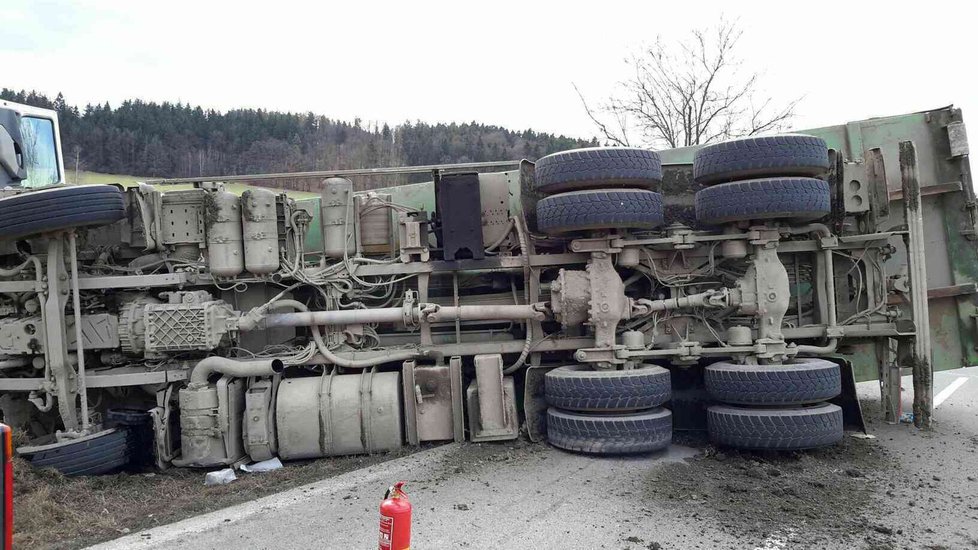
(7, 487)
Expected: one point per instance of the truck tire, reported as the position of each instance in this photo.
(59, 208)
(758, 157)
(799, 382)
(140, 426)
(775, 429)
(796, 199)
(597, 209)
(598, 168)
(128, 417)
(99, 453)
(581, 388)
(640, 432)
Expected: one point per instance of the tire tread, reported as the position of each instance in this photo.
(598, 167)
(610, 434)
(783, 155)
(775, 429)
(802, 199)
(572, 388)
(809, 381)
(583, 210)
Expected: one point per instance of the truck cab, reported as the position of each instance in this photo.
(30, 147)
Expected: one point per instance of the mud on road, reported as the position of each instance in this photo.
(810, 499)
(902, 489)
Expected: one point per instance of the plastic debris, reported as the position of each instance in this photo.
(263, 466)
(906, 418)
(859, 435)
(220, 477)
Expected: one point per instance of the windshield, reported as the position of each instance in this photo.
(40, 152)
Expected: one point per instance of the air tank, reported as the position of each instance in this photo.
(225, 247)
(260, 224)
(339, 223)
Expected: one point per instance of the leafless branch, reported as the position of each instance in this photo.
(619, 137)
(689, 93)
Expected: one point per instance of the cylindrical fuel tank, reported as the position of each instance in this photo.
(258, 218)
(339, 223)
(338, 414)
(225, 247)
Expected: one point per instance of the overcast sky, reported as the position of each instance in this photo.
(499, 62)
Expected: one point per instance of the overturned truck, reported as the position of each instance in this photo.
(598, 299)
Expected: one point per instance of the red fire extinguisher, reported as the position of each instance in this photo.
(395, 519)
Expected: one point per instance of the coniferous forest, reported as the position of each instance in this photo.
(179, 140)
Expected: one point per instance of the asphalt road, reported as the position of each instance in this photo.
(533, 496)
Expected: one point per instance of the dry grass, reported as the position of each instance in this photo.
(53, 511)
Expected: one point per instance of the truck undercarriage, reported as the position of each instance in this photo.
(598, 299)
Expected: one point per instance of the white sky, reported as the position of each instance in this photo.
(499, 62)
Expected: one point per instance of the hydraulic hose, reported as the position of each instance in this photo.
(525, 255)
(331, 357)
(819, 350)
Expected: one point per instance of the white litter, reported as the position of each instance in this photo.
(263, 466)
(863, 436)
(220, 477)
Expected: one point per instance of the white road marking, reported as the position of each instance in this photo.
(946, 392)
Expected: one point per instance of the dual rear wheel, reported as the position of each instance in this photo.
(751, 179)
(781, 407)
(609, 411)
(774, 407)
(599, 188)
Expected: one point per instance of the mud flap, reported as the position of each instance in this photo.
(852, 411)
(535, 402)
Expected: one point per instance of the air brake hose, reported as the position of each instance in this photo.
(525, 255)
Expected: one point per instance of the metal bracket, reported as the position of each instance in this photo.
(408, 313)
(491, 401)
(827, 243)
(600, 244)
(616, 355)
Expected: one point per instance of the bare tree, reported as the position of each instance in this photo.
(76, 150)
(689, 93)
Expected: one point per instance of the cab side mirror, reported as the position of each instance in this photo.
(12, 167)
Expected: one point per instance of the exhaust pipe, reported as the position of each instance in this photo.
(230, 367)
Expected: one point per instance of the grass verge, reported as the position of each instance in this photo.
(54, 511)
